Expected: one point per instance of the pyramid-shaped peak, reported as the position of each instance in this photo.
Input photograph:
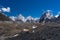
(20, 16)
(30, 18)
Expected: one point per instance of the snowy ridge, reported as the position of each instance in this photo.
(13, 18)
(20, 17)
(23, 19)
(57, 15)
(46, 17)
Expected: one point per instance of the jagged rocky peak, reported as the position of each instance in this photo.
(47, 15)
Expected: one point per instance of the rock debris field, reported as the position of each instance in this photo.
(47, 31)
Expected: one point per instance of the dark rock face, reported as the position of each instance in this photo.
(58, 18)
(50, 33)
(4, 18)
(47, 16)
(42, 18)
(46, 19)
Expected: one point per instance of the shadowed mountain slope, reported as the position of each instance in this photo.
(3, 17)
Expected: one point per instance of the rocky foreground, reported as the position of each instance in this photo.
(52, 33)
(43, 31)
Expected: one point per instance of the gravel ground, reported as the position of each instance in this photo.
(50, 33)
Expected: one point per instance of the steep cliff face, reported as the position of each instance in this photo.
(47, 16)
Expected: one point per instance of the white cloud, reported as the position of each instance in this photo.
(6, 9)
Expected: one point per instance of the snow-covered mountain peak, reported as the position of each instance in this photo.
(20, 15)
(22, 18)
(49, 14)
(29, 18)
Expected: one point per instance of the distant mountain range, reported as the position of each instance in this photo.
(21, 18)
(47, 16)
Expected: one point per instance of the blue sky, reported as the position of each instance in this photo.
(33, 8)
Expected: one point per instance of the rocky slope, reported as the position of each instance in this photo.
(44, 32)
(3, 17)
